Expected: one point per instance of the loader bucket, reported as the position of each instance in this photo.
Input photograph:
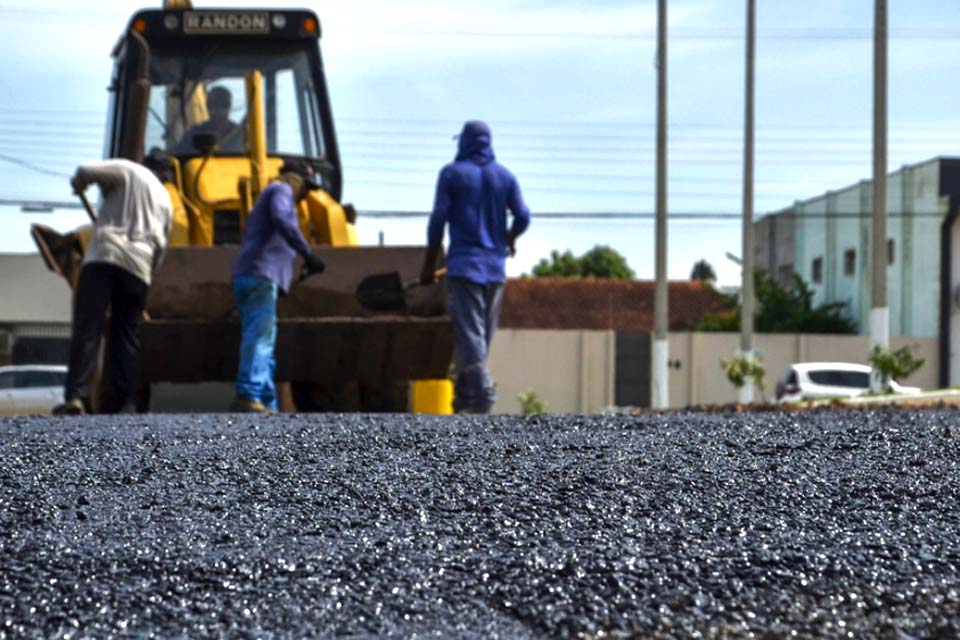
(195, 283)
(324, 336)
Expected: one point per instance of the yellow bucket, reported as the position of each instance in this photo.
(432, 396)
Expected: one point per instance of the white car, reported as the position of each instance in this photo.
(823, 380)
(31, 388)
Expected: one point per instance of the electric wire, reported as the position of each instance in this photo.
(32, 167)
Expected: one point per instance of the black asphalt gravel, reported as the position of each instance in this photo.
(767, 525)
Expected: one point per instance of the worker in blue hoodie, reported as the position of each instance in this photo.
(474, 193)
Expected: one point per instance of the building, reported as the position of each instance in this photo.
(826, 240)
(34, 312)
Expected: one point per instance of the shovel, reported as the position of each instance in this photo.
(387, 291)
(86, 205)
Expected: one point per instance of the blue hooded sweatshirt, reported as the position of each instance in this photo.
(473, 195)
(271, 237)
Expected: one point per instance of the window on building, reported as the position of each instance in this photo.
(816, 269)
(891, 251)
(785, 275)
(850, 262)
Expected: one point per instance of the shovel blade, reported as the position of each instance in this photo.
(382, 292)
(62, 253)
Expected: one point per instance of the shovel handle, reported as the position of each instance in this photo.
(439, 273)
(86, 205)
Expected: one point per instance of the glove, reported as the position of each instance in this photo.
(311, 265)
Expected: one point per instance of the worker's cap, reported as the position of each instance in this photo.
(303, 169)
(473, 129)
(158, 161)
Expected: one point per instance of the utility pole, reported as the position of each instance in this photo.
(660, 351)
(879, 311)
(747, 296)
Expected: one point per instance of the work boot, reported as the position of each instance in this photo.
(246, 405)
(72, 407)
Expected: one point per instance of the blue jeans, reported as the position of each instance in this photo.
(256, 299)
(474, 311)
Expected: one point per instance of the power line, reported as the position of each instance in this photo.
(32, 167)
(625, 129)
(582, 176)
(644, 35)
(410, 162)
(38, 138)
(635, 158)
(42, 152)
(550, 140)
(564, 215)
(50, 111)
(643, 215)
(564, 124)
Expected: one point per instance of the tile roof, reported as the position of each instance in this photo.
(619, 305)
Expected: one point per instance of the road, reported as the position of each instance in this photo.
(826, 524)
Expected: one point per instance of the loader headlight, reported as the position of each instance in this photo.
(279, 21)
(171, 21)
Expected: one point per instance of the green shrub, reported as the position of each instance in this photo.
(894, 365)
(530, 404)
(741, 368)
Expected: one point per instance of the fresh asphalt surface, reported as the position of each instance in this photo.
(763, 525)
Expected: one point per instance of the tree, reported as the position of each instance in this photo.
(703, 271)
(560, 265)
(783, 310)
(599, 262)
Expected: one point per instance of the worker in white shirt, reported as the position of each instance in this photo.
(128, 242)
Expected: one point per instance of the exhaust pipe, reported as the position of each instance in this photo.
(138, 104)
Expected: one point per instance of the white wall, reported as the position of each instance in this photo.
(701, 380)
(573, 371)
(31, 293)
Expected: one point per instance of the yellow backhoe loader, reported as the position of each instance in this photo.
(231, 94)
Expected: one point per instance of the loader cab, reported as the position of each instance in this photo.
(178, 84)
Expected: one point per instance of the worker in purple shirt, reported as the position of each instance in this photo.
(474, 193)
(263, 268)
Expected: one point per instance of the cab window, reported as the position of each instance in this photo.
(201, 89)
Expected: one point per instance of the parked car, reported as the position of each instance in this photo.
(31, 388)
(822, 380)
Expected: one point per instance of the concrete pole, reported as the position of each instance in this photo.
(747, 296)
(879, 311)
(660, 351)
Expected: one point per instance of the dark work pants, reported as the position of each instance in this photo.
(474, 311)
(102, 287)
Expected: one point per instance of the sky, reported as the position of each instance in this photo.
(569, 89)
